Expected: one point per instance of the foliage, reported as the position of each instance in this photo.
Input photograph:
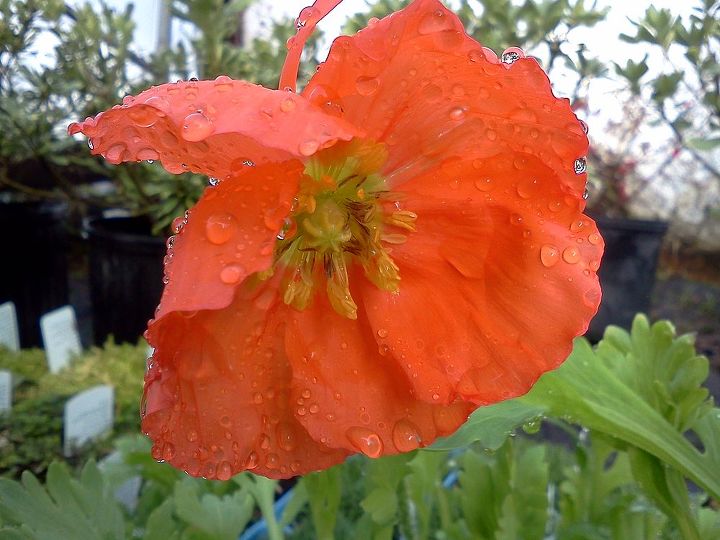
(629, 421)
(31, 435)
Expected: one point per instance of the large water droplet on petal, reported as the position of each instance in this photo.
(220, 228)
(571, 255)
(223, 83)
(436, 21)
(116, 153)
(285, 436)
(146, 154)
(580, 166)
(549, 255)
(231, 274)
(308, 148)
(366, 441)
(143, 116)
(511, 55)
(196, 127)
(406, 436)
(367, 86)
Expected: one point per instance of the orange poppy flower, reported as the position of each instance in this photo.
(376, 256)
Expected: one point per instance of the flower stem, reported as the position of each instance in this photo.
(305, 24)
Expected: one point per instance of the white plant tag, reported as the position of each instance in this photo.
(9, 334)
(6, 391)
(60, 336)
(88, 416)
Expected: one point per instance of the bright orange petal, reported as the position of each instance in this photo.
(351, 394)
(499, 277)
(229, 235)
(417, 82)
(217, 394)
(212, 127)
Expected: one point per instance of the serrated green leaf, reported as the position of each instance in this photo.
(161, 525)
(702, 144)
(490, 425)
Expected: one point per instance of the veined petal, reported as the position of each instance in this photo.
(350, 394)
(501, 276)
(418, 83)
(212, 127)
(229, 234)
(217, 394)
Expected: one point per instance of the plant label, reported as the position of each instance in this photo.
(9, 335)
(60, 336)
(88, 415)
(5, 390)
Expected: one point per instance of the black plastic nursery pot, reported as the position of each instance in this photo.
(627, 273)
(126, 270)
(34, 268)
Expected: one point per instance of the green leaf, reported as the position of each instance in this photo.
(82, 510)
(220, 517)
(161, 525)
(323, 491)
(587, 391)
(703, 144)
(491, 425)
(666, 85)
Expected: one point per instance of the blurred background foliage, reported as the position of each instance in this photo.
(95, 64)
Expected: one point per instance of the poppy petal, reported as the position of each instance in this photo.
(350, 394)
(500, 282)
(216, 398)
(228, 235)
(212, 127)
(418, 83)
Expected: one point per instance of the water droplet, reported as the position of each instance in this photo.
(257, 398)
(305, 16)
(436, 396)
(516, 219)
(571, 255)
(264, 442)
(143, 116)
(178, 224)
(383, 333)
(457, 113)
(115, 153)
(252, 461)
(220, 228)
(511, 55)
(224, 471)
(549, 255)
(314, 408)
(147, 154)
(437, 21)
(225, 421)
(528, 187)
(168, 451)
(577, 225)
(90, 144)
(555, 206)
(491, 134)
(272, 461)
(367, 86)
(192, 435)
(580, 166)
(366, 441)
(475, 56)
(196, 127)
(231, 274)
(586, 194)
(223, 83)
(288, 104)
(285, 437)
(584, 127)
(484, 184)
(308, 148)
(406, 436)
(594, 239)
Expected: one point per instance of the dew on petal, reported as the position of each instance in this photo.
(287, 104)
(147, 154)
(571, 255)
(220, 228)
(224, 471)
(527, 187)
(231, 274)
(549, 255)
(382, 333)
(577, 225)
(366, 441)
(143, 116)
(367, 86)
(491, 134)
(594, 239)
(223, 83)
(484, 184)
(197, 127)
(406, 436)
(308, 148)
(511, 55)
(580, 166)
(457, 113)
(252, 461)
(436, 21)
(115, 153)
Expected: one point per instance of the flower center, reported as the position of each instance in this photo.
(343, 213)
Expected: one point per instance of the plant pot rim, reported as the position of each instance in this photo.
(632, 224)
